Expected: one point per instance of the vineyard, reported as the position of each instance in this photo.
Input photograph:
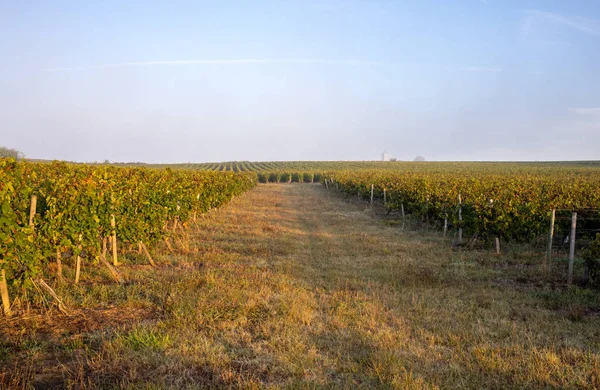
(492, 205)
(119, 277)
(510, 206)
(58, 209)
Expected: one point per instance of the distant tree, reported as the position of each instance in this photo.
(419, 158)
(13, 153)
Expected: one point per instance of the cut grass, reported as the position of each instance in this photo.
(290, 286)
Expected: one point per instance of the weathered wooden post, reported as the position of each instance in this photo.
(497, 246)
(572, 248)
(4, 294)
(384, 197)
(372, 190)
(78, 263)
(32, 210)
(113, 225)
(58, 264)
(150, 260)
(550, 238)
(460, 231)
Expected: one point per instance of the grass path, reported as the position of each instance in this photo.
(291, 286)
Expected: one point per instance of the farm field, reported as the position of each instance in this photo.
(321, 166)
(295, 286)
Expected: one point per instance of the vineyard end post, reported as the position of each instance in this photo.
(4, 293)
(550, 238)
(460, 231)
(572, 248)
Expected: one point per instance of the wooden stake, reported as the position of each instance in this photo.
(78, 264)
(32, 210)
(497, 246)
(445, 225)
(168, 245)
(372, 191)
(384, 197)
(147, 254)
(572, 248)
(59, 274)
(104, 246)
(402, 210)
(113, 225)
(326, 185)
(77, 269)
(4, 293)
(460, 231)
(112, 270)
(184, 239)
(550, 238)
(50, 291)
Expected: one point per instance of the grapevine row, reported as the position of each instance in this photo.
(510, 206)
(75, 205)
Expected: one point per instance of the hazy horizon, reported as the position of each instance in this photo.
(330, 80)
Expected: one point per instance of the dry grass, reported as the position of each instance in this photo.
(290, 286)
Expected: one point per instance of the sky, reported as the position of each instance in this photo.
(198, 81)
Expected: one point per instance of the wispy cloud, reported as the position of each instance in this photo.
(239, 61)
(589, 111)
(587, 117)
(482, 69)
(535, 20)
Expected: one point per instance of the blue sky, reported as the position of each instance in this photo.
(300, 80)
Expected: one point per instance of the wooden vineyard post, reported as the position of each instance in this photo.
(384, 197)
(112, 270)
(358, 194)
(572, 248)
(113, 225)
(104, 246)
(427, 211)
(78, 263)
(168, 244)
(4, 293)
(32, 210)
(497, 246)
(402, 213)
(326, 185)
(372, 191)
(185, 242)
(550, 237)
(58, 264)
(59, 302)
(150, 260)
(460, 231)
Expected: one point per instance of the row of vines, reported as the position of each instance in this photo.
(76, 204)
(512, 206)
